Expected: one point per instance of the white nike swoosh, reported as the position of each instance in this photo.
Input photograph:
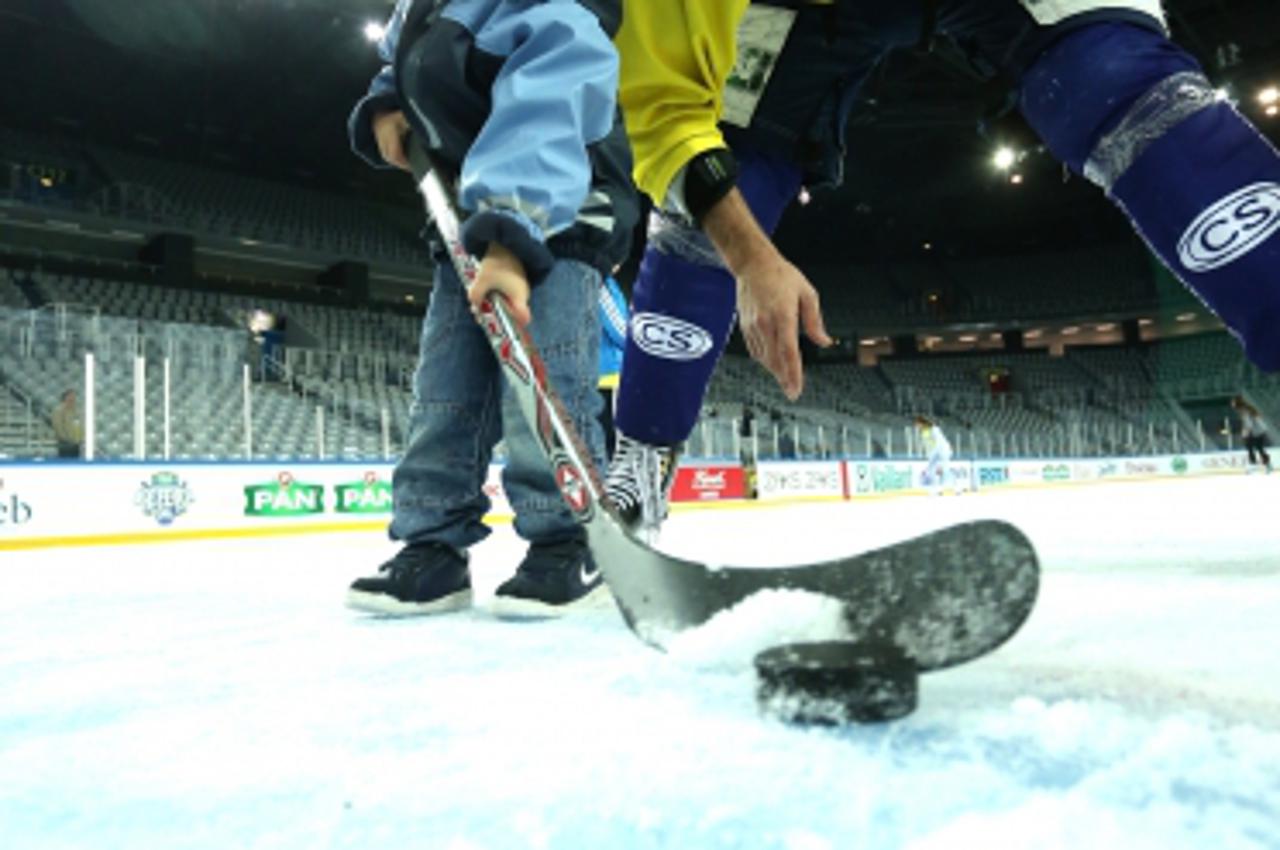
(588, 577)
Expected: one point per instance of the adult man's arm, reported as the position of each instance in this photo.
(675, 58)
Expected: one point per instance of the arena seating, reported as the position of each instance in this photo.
(353, 367)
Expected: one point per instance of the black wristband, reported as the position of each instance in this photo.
(708, 177)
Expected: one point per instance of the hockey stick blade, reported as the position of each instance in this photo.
(945, 597)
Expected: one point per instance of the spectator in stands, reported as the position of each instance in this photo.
(1253, 429)
(614, 315)
(68, 427)
(519, 101)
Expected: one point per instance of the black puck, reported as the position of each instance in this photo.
(836, 682)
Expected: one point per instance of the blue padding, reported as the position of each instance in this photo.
(681, 316)
(1085, 83)
(1203, 189)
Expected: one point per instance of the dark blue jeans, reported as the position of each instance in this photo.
(462, 407)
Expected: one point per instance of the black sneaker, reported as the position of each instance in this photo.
(422, 578)
(553, 579)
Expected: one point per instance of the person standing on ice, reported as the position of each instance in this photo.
(1099, 80)
(1253, 430)
(937, 475)
(519, 98)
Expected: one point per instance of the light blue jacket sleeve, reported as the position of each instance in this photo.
(382, 96)
(528, 171)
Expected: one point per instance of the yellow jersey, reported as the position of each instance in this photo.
(674, 58)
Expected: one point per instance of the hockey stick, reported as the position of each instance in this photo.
(988, 567)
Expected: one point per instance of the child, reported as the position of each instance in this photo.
(518, 99)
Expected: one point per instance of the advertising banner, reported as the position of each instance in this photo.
(800, 479)
(991, 474)
(114, 500)
(708, 483)
(877, 477)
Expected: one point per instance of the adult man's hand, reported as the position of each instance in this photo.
(775, 299)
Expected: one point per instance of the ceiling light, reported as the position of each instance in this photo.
(1109, 326)
(1071, 331)
(374, 31)
(1035, 334)
(1221, 95)
(1016, 179)
(870, 342)
(1186, 317)
(1004, 158)
(1145, 322)
(1269, 96)
(1272, 111)
(968, 338)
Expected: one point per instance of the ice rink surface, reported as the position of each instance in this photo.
(218, 695)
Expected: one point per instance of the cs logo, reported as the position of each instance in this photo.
(1231, 228)
(668, 337)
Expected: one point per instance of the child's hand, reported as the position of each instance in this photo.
(501, 272)
(389, 129)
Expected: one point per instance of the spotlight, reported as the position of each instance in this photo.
(1272, 111)
(374, 31)
(1015, 179)
(1004, 158)
(1269, 96)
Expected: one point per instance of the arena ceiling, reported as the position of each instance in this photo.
(263, 87)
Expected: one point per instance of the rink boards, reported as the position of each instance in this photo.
(53, 504)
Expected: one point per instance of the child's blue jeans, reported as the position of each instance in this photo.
(462, 407)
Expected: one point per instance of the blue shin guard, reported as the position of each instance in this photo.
(681, 315)
(682, 311)
(1134, 113)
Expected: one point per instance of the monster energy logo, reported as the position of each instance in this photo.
(369, 496)
(283, 497)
